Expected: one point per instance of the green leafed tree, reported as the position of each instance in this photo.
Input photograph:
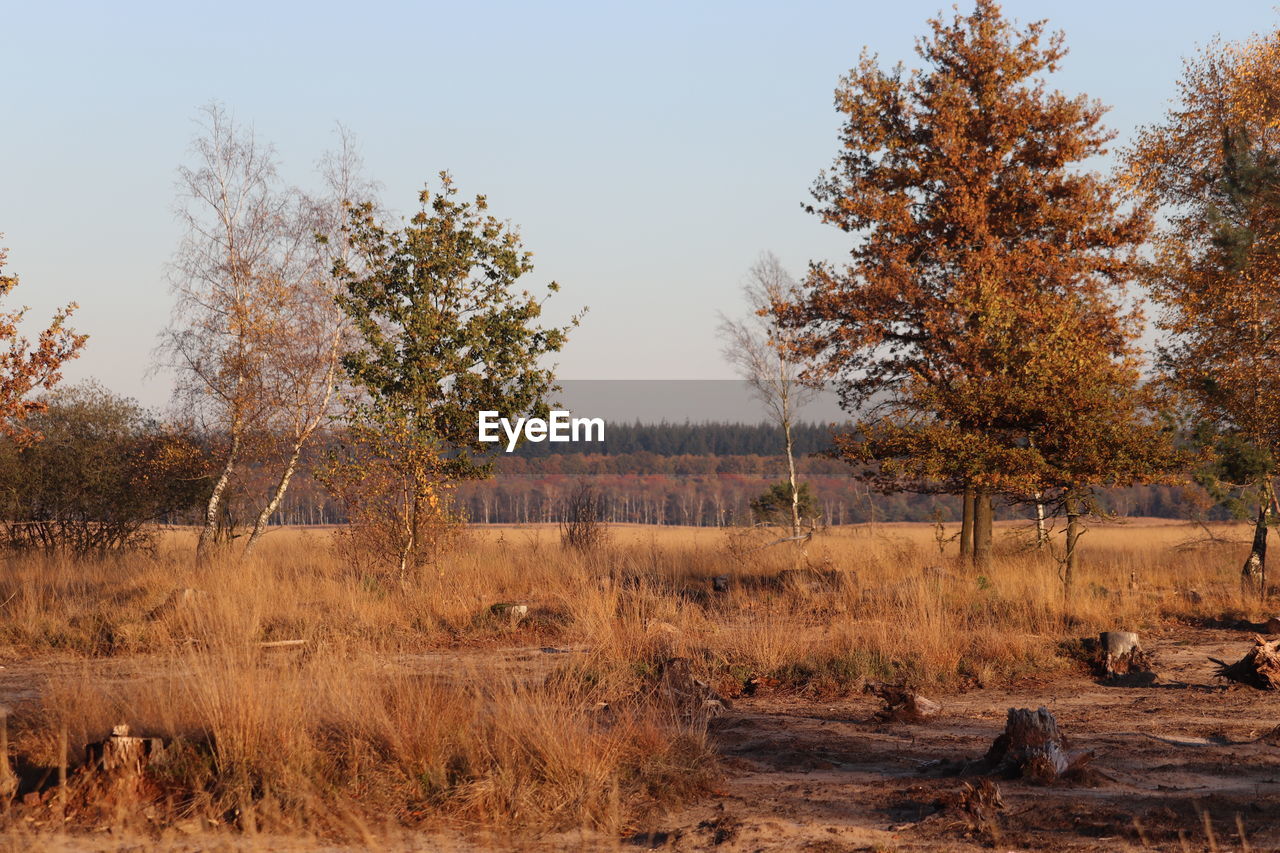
(444, 332)
(780, 505)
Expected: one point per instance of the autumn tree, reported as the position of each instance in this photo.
(103, 471)
(308, 341)
(442, 334)
(26, 367)
(1213, 163)
(988, 266)
(761, 350)
(255, 334)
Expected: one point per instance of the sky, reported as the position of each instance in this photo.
(647, 151)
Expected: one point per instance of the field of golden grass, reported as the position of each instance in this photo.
(403, 708)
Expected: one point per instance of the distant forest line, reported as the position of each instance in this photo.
(696, 474)
(689, 439)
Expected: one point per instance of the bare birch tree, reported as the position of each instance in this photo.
(255, 334)
(223, 278)
(760, 351)
(310, 340)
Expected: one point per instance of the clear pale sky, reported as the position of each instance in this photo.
(648, 151)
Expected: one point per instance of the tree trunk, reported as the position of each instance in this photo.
(982, 529)
(1072, 560)
(1253, 574)
(8, 779)
(303, 436)
(210, 531)
(791, 474)
(406, 544)
(1042, 533)
(260, 524)
(966, 523)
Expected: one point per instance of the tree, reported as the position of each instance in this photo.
(764, 355)
(783, 502)
(255, 334)
(102, 472)
(309, 340)
(443, 335)
(1214, 165)
(978, 235)
(25, 368)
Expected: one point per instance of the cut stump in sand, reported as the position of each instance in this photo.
(122, 752)
(1123, 657)
(1259, 668)
(1030, 747)
(902, 704)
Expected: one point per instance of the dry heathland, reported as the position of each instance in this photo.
(672, 687)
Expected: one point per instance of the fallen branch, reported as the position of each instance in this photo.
(281, 644)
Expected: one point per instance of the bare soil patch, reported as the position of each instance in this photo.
(1186, 761)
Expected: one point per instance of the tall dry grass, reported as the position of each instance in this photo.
(401, 708)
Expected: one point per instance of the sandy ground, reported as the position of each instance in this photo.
(1186, 764)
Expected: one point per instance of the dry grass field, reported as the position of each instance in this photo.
(421, 716)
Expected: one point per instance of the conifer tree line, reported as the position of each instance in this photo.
(983, 330)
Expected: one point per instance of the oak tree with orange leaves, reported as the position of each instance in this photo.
(977, 329)
(1214, 164)
(26, 367)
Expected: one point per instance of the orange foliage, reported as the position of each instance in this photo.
(25, 367)
(979, 323)
(1214, 162)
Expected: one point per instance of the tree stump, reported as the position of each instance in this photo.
(1259, 668)
(1031, 747)
(122, 753)
(511, 610)
(1122, 654)
(902, 705)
